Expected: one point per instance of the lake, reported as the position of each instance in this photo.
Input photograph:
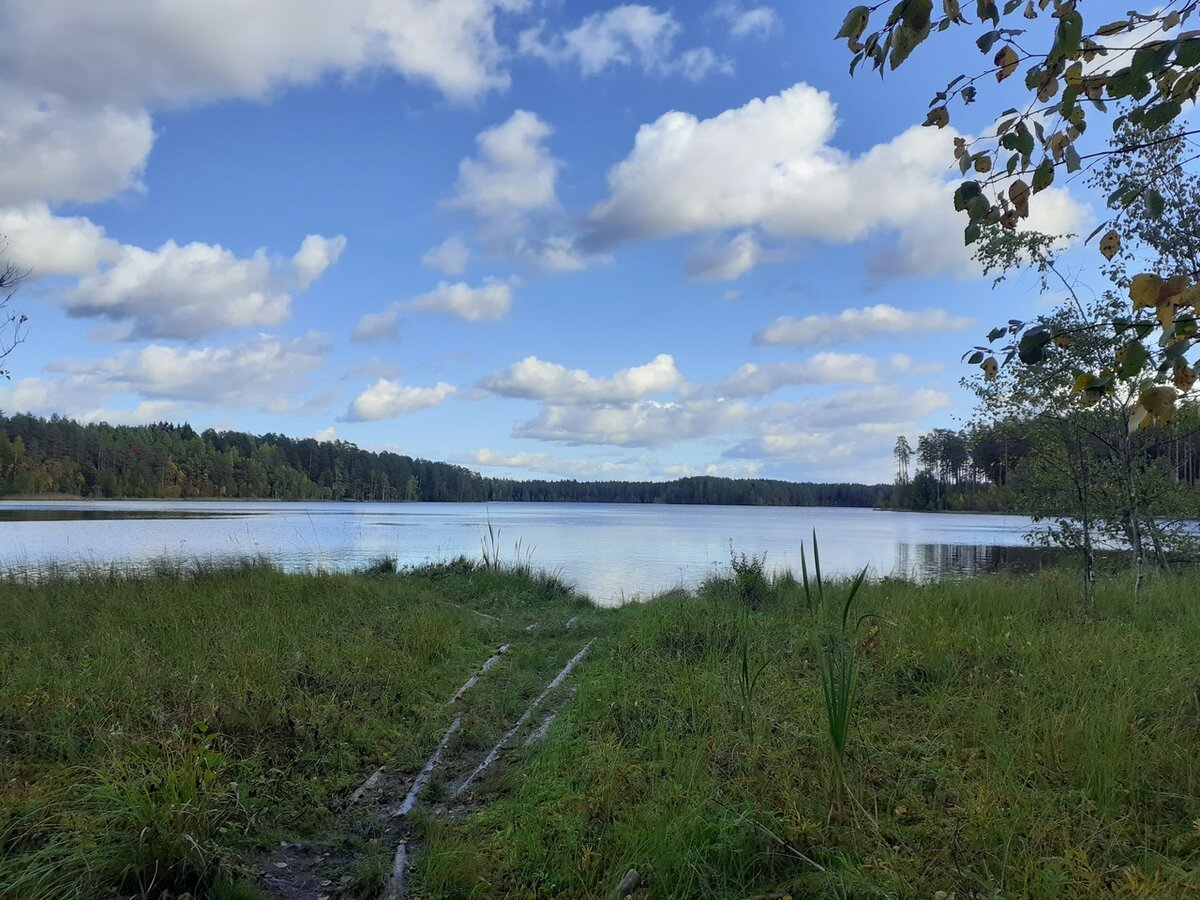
(612, 552)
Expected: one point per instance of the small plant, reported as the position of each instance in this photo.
(490, 544)
(748, 679)
(837, 660)
(749, 575)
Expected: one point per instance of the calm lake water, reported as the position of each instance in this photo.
(612, 552)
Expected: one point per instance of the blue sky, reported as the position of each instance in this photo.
(535, 238)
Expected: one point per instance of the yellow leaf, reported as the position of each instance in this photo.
(1006, 62)
(1159, 403)
(983, 164)
(1082, 382)
(990, 368)
(938, 116)
(1018, 193)
(1144, 290)
(1110, 244)
(1166, 314)
(1184, 377)
(1063, 341)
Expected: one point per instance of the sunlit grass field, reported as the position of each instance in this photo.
(157, 733)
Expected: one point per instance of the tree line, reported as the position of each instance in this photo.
(58, 456)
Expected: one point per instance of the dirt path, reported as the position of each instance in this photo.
(375, 820)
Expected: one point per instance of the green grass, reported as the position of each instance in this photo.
(1005, 742)
(158, 733)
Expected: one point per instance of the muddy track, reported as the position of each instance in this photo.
(377, 814)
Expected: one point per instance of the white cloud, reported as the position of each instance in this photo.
(150, 50)
(534, 379)
(80, 81)
(857, 325)
(545, 464)
(626, 35)
(165, 381)
(487, 303)
(450, 256)
(514, 173)
(326, 435)
(387, 399)
(753, 380)
(758, 21)
(54, 245)
(194, 289)
(769, 168)
(642, 424)
(57, 149)
(723, 262)
(260, 373)
(510, 187)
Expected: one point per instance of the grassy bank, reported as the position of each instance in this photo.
(159, 733)
(156, 733)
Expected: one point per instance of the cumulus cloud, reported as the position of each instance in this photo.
(140, 50)
(450, 256)
(261, 373)
(47, 244)
(514, 172)
(769, 169)
(757, 21)
(643, 424)
(626, 35)
(185, 291)
(753, 380)
(857, 324)
(388, 399)
(80, 81)
(486, 303)
(510, 187)
(164, 381)
(535, 379)
(56, 149)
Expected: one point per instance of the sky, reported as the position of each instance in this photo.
(535, 238)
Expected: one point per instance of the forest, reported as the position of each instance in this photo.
(61, 457)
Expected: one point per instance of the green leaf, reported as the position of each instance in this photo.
(1154, 203)
(1043, 176)
(987, 40)
(1133, 360)
(1157, 116)
(996, 333)
(1071, 155)
(972, 233)
(1187, 54)
(1125, 83)
(1150, 58)
(976, 358)
(1068, 35)
(917, 13)
(965, 193)
(854, 23)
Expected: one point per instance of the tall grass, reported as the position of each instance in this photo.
(836, 650)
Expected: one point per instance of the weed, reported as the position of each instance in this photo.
(749, 575)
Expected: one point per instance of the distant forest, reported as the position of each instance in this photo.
(59, 456)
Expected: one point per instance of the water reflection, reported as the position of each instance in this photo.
(926, 562)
